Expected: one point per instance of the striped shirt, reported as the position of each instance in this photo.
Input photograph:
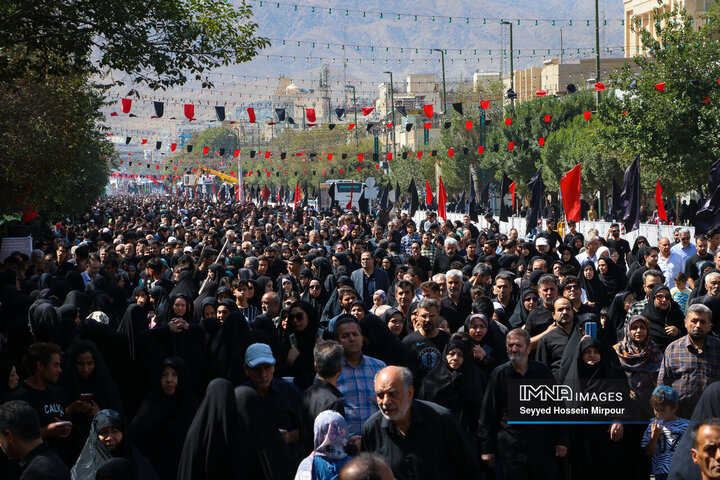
(672, 433)
(357, 385)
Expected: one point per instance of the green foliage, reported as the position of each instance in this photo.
(676, 133)
(528, 124)
(159, 43)
(53, 157)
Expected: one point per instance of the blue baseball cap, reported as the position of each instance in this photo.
(666, 392)
(259, 354)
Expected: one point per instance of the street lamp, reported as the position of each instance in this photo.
(442, 59)
(354, 110)
(597, 49)
(512, 67)
(392, 109)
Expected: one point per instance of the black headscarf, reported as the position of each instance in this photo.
(594, 288)
(387, 315)
(319, 302)
(44, 320)
(6, 367)
(162, 421)
(519, 316)
(379, 342)
(161, 303)
(659, 319)
(614, 328)
(461, 391)
(493, 343)
(614, 280)
(572, 261)
(229, 345)
(216, 445)
(593, 378)
(303, 368)
(79, 300)
(132, 324)
(95, 454)
(117, 469)
(170, 313)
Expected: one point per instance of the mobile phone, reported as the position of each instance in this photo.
(591, 329)
(86, 397)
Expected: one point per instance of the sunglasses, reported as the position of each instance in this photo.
(662, 296)
(296, 316)
(314, 287)
(572, 287)
(532, 299)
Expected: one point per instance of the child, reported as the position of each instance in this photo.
(680, 293)
(664, 432)
(329, 455)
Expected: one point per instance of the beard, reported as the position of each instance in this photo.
(396, 415)
(517, 359)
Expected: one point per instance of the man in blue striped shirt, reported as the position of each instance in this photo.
(357, 378)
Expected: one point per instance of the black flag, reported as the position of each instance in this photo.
(472, 207)
(505, 198)
(220, 113)
(331, 194)
(291, 121)
(616, 203)
(127, 140)
(714, 177)
(158, 145)
(460, 207)
(402, 110)
(537, 190)
(159, 109)
(458, 108)
(340, 113)
(397, 193)
(485, 196)
(408, 127)
(414, 200)
(708, 216)
(384, 197)
(631, 196)
(280, 112)
(305, 197)
(364, 203)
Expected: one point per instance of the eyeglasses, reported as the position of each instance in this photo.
(572, 287)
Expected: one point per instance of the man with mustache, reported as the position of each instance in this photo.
(419, 440)
(692, 363)
(524, 451)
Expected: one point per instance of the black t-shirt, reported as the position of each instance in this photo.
(49, 403)
(622, 247)
(424, 353)
(692, 265)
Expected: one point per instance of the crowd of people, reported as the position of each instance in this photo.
(166, 338)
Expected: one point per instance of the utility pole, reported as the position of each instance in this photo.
(392, 109)
(597, 50)
(442, 60)
(512, 65)
(354, 110)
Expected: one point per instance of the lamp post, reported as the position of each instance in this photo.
(392, 109)
(354, 110)
(597, 49)
(442, 61)
(512, 67)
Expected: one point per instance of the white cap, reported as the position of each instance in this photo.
(187, 249)
(172, 240)
(541, 241)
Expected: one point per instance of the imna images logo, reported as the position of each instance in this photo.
(546, 393)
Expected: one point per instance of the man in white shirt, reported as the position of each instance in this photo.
(592, 244)
(669, 262)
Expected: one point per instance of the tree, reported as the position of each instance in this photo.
(54, 160)
(158, 43)
(676, 131)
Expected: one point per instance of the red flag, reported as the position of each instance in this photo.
(310, 112)
(236, 153)
(599, 87)
(481, 149)
(587, 115)
(570, 190)
(511, 146)
(298, 194)
(419, 154)
(189, 111)
(658, 201)
(330, 157)
(428, 110)
(541, 141)
(442, 199)
(389, 156)
(265, 193)
(251, 114)
(428, 193)
(511, 189)
(351, 126)
(468, 125)
(484, 104)
(126, 104)
(508, 121)
(144, 141)
(173, 146)
(428, 125)
(541, 93)
(661, 88)
(451, 152)
(206, 150)
(366, 110)
(547, 118)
